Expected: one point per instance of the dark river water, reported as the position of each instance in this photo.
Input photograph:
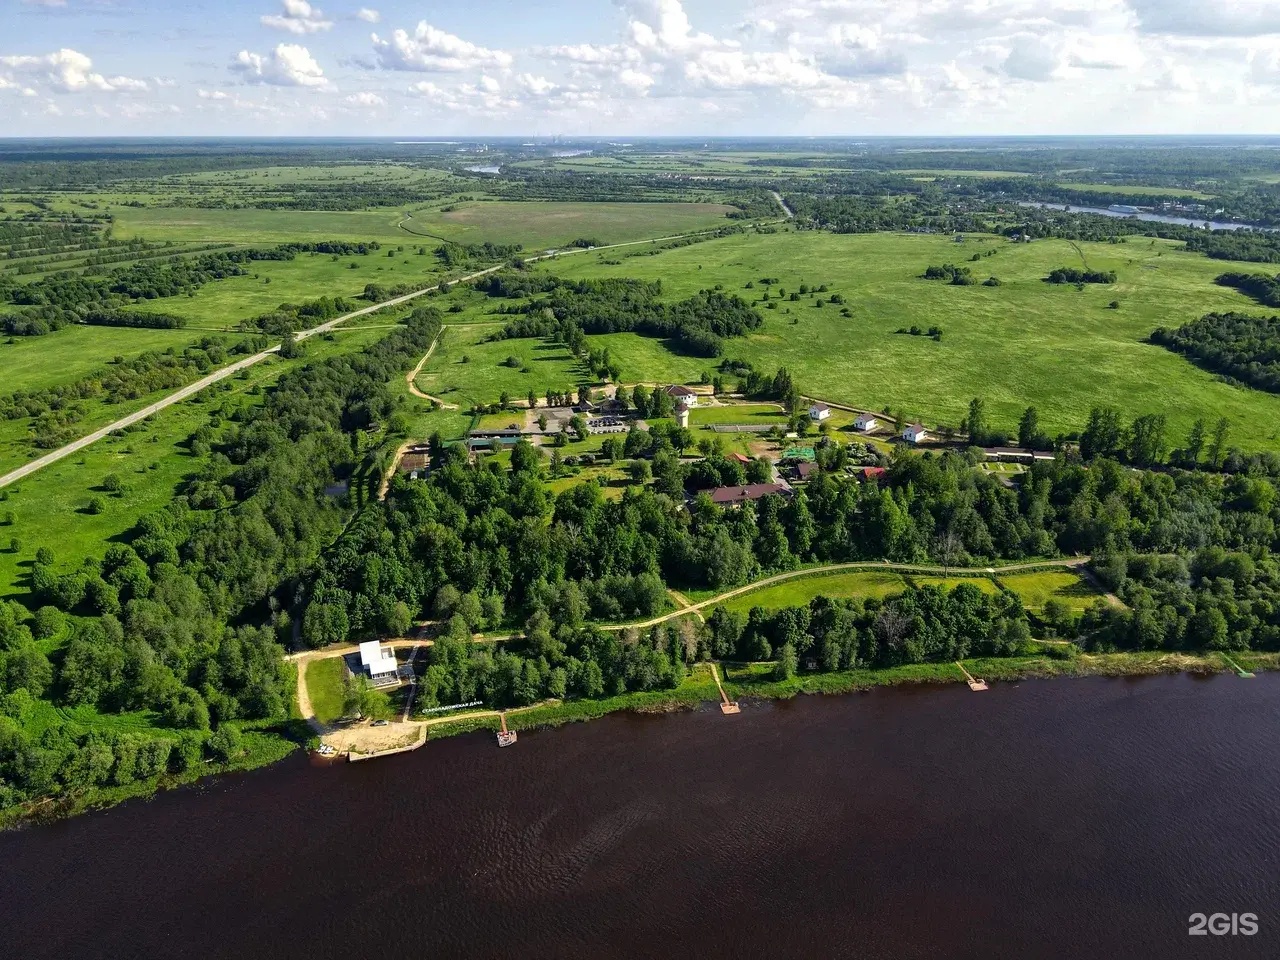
(1075, 819)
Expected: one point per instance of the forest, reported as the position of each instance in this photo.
(1241, 348)
(1078, 276)
(697, 325)
(1263, 288)
(186, 617)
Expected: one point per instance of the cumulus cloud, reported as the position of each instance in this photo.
(1225, 18)
(368, 16)
(67, 71)
(365, 99)
(289, 65)
(429, 49)
(1032, 58)
(299, 17)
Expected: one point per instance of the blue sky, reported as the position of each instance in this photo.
(595, 67)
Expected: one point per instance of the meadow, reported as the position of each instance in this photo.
(1036, 589)
(1023, 343)
(32, 363)
(151, 459)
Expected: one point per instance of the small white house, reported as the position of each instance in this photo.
(866, 422)
(915, 433)
(683, 396)
(379, 662)
(819, 412)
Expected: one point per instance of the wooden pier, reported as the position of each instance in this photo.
(1240, 671)
(974, 683)
(726, 705)
(505, 737)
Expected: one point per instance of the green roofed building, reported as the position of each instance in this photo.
(798, 453)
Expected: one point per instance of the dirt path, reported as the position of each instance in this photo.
(385, 484)
(783, 204)
(696, 608)
(413, 375)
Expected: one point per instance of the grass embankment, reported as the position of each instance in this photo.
(745, 681)
(1023, 343)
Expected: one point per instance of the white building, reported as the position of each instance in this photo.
(379, 661)
(819, 412)
(683, 396)
(915, 434)
(866, 422)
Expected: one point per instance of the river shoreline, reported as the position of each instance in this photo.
(742, 682)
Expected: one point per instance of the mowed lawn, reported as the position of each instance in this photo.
(324, 680)
(1036, 589)
(985, 584)
(1024, 343)
(801, 590)
(738, 413)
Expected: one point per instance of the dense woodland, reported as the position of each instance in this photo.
(1241, 348)
(185, 618)
(1263, 288)
(697, 325)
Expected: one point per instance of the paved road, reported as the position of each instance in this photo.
(229, 371)
(207, 381)
(783, 204)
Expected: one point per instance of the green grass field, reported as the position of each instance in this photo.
(801, 590)
(1036, 589)
(151, 459)
(536, 225)
(542, 225)
(985, 584)
(1113, 188)
(1026, 342)
(324, 687)
(32, 363)
(738, 413)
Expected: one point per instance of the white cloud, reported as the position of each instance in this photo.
(299, 17)
(289, 65)
(68, 71)
(1033, 58)
(430, 49)
(365, 99)
(45, 3)
(368, 16)
(213, 95)
(1224, 18)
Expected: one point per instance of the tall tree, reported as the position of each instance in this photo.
(1029, 428)
(975, 423)
(1195, 442)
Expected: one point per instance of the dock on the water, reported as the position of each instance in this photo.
(974, 683)
(505, 737)
(726, 705)
(1240, 671)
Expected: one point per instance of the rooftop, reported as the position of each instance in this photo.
(752, 491)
